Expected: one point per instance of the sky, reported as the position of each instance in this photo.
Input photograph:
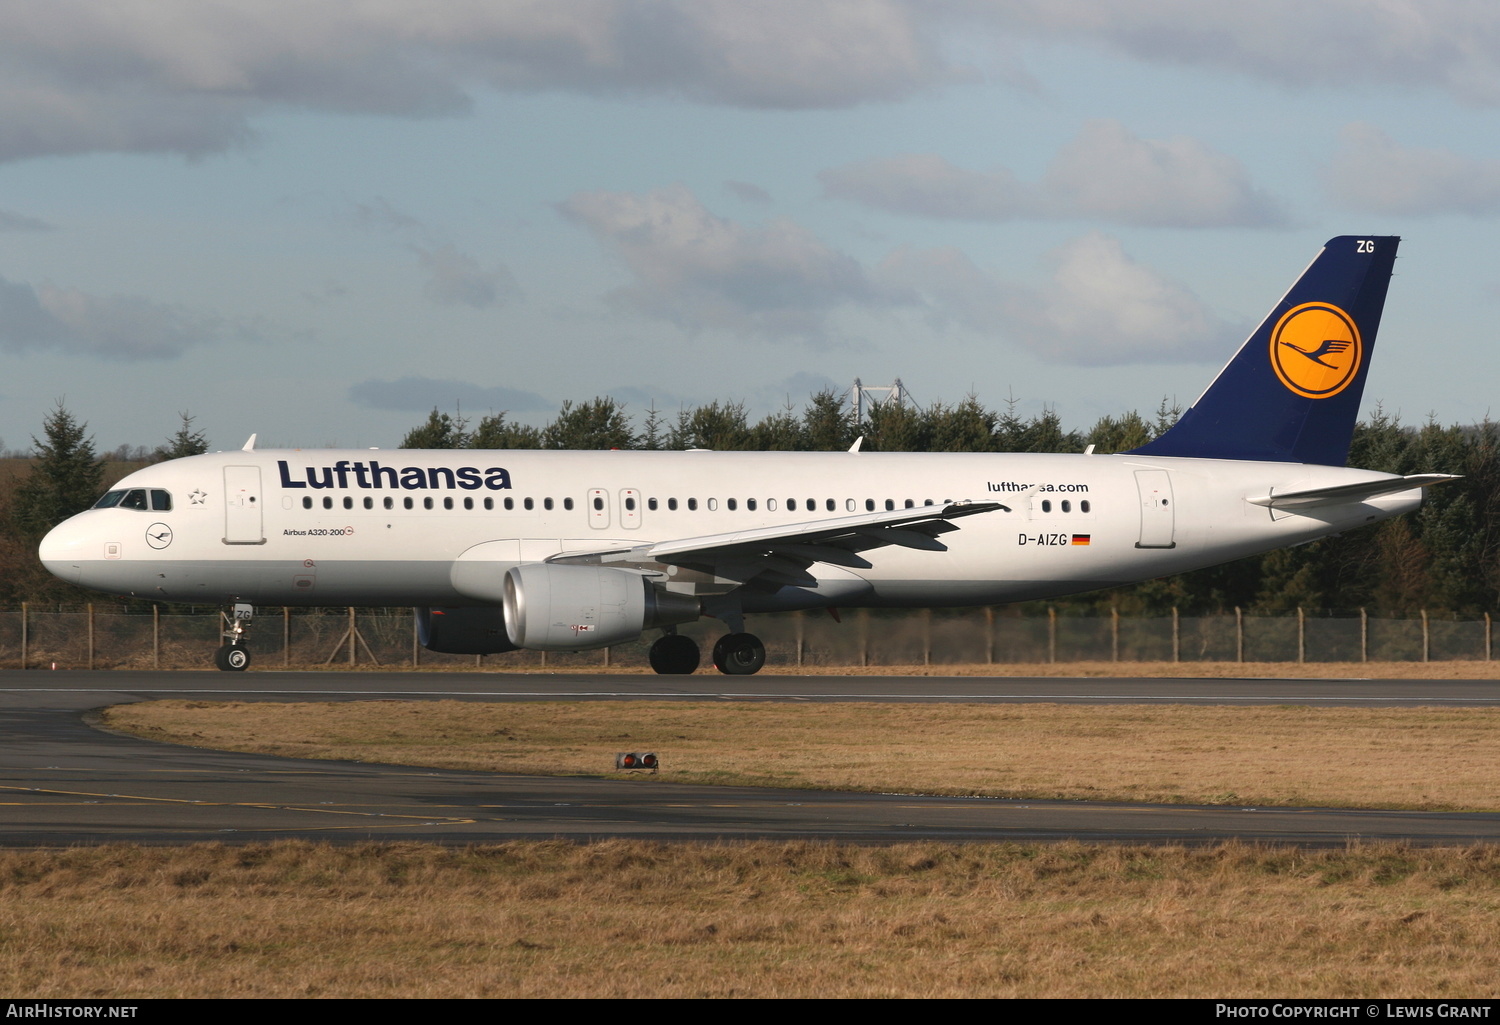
(317, 222)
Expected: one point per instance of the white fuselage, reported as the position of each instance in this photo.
(260, 526)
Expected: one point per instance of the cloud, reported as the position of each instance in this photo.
(1371, 172)
(748, 192)
(1098, 308)
(187, 77)
(701, 271)
(127, 328)
(1105, 173)
(455, 278)
(20, 222)
(421, 394)
(1453, 45)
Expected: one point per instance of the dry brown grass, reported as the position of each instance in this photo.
(626, 919)
(1389, 758)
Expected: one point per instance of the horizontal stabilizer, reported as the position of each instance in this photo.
(1341, 493)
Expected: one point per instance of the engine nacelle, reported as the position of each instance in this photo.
(463, 631)
(570, 608)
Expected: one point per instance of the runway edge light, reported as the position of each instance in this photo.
(632, 760)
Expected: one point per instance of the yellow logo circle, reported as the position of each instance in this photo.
(1316, 350)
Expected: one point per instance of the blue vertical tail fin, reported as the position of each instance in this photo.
(1292, 392)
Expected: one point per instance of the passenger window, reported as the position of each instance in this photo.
(510, 503)
(849, 504)
(406, 502)
(161, 501)
(672, 504)
(468, 503)
(890, 503)
(791, 505)
(598, 503)
(910, 503)
(348, 502)
(869, 505)
(629, 504)
(713, 505)
(750, 504)
(1067, 506)
(733, 505)
(831, 505)
(692, 505)
(1046, 505)
(771, 504)
(650, 504)
(447, 503)
(369, 503)
(568, 504)
(327, 501)
(1083, 506)
(547, 504)
(390, 503)
(307, 501)
(489, 503)
(426, 503)
(529, 504)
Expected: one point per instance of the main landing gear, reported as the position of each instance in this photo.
(736, 654)
(232, 656)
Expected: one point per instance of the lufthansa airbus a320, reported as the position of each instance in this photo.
(563, 551)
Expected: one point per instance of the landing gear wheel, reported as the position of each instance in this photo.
(675, 655)
(739, 654)
(232, 658)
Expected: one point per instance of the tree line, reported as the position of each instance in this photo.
(1444, 558)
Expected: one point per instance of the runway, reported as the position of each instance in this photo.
(64, 782)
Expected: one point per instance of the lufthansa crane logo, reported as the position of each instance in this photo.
(1316, 350)
(158, 535)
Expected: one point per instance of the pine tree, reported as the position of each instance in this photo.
(439, 431)
(186, 442)
(66, 477)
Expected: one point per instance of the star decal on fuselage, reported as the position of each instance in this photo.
(197, 496)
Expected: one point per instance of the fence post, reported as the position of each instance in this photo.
(25, 624)
(351, 635)
(927, 637)
(989, 635)
(1051, 634)
(415, 640)
(1176, 637)
(91, 635)
(606, 656)
(286, 636)
(801, 634)
(1114, 632)
(1301, 635)
(1486, 632)
(156, 636)
(1239, 634)
(864, 637)
(1364, 636)
(1426, 641)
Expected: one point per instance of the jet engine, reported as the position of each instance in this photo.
(570, 608)
(463, 631)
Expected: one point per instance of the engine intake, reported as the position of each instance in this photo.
(572, 608)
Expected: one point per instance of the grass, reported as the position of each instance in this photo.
(1416, 758)
(626, 919)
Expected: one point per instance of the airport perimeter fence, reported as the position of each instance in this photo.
(109, 637)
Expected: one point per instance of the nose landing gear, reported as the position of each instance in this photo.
(232, 656)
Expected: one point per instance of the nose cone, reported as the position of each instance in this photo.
(62, 550)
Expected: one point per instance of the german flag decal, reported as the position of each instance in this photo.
(1081, 539)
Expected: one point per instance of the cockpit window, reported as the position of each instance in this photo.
(137, 498)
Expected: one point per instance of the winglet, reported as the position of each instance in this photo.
(857, 442)
(249, 446)
(1291, 394)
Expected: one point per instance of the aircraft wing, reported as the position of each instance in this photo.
(782, 554)
(1351, 492)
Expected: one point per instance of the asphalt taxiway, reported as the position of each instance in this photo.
(63, 781)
